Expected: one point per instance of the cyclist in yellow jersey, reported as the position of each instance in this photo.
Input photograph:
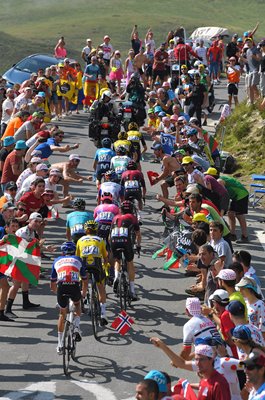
(123, 141)
(136, 138)
(92, 248)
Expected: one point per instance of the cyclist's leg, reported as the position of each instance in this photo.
(117, 265)
(62, 300)
(129, 255)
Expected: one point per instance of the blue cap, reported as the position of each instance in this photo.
(241, 332)
(21, 145)
(159, 378)
(192, 132)
(236, 308)
(8, 140)
(157, 109)
(41, 94)
(162, 114)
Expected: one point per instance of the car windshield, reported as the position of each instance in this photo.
(32, 64)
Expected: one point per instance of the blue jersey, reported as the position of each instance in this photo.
(168, 142)
(103, 157)
(68, 269)
(76, 220)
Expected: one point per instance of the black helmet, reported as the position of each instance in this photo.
(91, 225)
(121, 150)
(133, 126)
(127, 207)
(79, 203)
(68, 248)
(132, 165)
(111, 176)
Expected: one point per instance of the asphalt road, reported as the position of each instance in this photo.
(111, 367)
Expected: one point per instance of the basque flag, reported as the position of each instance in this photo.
(122, 323)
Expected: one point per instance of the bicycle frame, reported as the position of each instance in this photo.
(69, 343)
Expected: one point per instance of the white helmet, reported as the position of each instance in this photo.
(106, 93)
(197, 63)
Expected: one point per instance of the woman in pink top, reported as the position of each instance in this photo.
(60, 50)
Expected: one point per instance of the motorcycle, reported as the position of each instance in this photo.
(98, 130)
(131, 112)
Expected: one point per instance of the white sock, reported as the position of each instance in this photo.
(116, 274)
(76, 322)
(103, 308)
(60, 337)
(132, 287)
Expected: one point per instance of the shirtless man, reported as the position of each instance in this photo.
(68, 171)
(169, 166)
(139, 64)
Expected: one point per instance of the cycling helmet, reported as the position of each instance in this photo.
(127, 207)
(68, 248)
(132, 165)
(133, 126)
(79, 203)
(122, 136)
(106, 197)
(197, 63)
(110, 175)
(194, 120)
(91, 225)
(135, 75)
(106, 93)
(121, 150)
(106, 142)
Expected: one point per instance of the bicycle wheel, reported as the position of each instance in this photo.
(66, 347)
(73, 349)
(95, 311)
(123, 288)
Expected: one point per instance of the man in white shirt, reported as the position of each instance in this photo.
(7, 109)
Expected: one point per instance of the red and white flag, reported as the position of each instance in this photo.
(122, 323)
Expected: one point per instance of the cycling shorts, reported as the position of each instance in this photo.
(133, 194)
(68, 290)
(119, 246)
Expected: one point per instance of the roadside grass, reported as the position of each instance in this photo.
(244, 139)
(34, 26)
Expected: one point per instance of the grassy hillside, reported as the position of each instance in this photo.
(35, 25)
(245, 138)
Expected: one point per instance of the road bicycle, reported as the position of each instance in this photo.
(68, 340)
(94, 303)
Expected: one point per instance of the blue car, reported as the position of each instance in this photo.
(22, 70)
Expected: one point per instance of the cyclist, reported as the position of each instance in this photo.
(123, 228)
(111, 186)
(92, 249)
(76, 220)
(123, 141)
(120, 161)
(104, 214)
(136, 138)
(66, 272)
(102, 159)
(134, 184)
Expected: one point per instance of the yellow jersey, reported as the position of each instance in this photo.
(134, 136)
(125, 143)
(91, 247)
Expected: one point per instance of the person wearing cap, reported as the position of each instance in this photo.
(8, 146)
(160, 63)
(28, 129)
(255, 305)
(29, 82)
(193, 328)
(7, 109)
(9, 194)
(60, 50)
(69, 172)
(233, 77)
(108, 50)
(15, 123)
(255, 373)
(147, 390)
(13, 165)
(51, 183)
(169, 165)
(194, 175)
(161, 381)
(41, 171)
(116, 70)
(85, 53)
(199, 145)
(211, 181)
(24, 99)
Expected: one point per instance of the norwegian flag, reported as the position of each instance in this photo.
(122, 323)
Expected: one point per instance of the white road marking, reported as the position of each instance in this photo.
(97, 390)
(44, 391)
(261, 237)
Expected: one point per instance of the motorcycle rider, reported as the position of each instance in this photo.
(102, 108)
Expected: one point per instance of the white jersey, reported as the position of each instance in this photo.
(201, 51)
(115, 189)
(198, 327)
(7, 105)
(24, 175)
(227, 367)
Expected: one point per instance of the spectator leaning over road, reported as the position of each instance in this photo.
(41, 172)
(14, 164)
(24, 99)
(53, 144)
(8, 146)
(29, 128)
(15, 123)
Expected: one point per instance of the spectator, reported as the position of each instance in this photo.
(7, 109)
(147, 390)
(220, 245)
(253, 57)
(107, 49)
(231, 48)
(24, 99)
(33, 199)
(8, 146)
(15, 123)
(85, 54)
(136, 42)
(214, 58)
(255, 372)
(9, 194)
(60, 50)
(29, 128)
(161, 381)
(198, 98)
(13, 165)
(160, 62)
